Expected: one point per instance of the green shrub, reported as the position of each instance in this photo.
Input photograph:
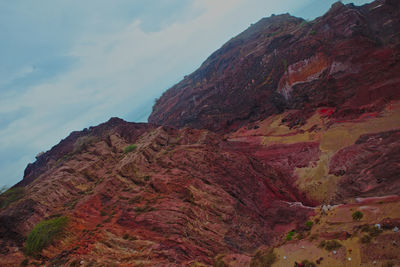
(263, 258)
(130, 148)
(313, 32)
(309, 224)
(11, 195)
(43, 234)
(357, 215)
(289, 236)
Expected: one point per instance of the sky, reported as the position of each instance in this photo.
(70, 64)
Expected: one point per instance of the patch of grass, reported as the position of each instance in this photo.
(289, 236)
(357, 215)
(130, 148)
(263, 258)
(11, 195)
(43, 234)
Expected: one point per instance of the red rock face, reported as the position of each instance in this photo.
(297, 110)
(370, 167)
(347, 60)
(183, 195)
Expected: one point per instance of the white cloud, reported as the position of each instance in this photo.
(117, 72)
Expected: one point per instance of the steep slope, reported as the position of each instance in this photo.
(179, 196)
(348, 59)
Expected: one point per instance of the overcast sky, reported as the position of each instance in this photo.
(70, 64)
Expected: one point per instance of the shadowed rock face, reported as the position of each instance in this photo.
(290, 115)
(348, 59)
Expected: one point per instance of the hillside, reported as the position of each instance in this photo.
(282, 149)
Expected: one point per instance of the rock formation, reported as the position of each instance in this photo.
(282, 148)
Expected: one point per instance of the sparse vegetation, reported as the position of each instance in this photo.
(313, 237)
(130, 148)
(145, 208)
(388, 264)
(263, 258)
(371, 229)
(135, 199)
(313, 32)
(197, 264)
(285, 64)
(82, 143)
(3, 189)
(308, 263)
(329, 244)
(219, 261)
(43, 234)
(11, 195)
(71, 205)
(25, 262)
(365, 239)
(357, 215)
(309, 225)
(304, 23)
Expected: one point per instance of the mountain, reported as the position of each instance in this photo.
(282, 149)
(346, 60)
